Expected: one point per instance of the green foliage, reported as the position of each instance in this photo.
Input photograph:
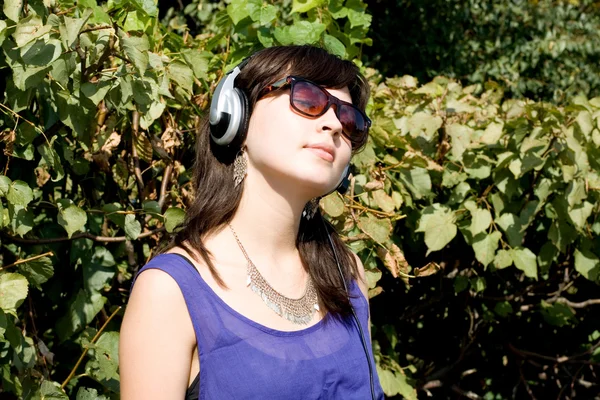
(541, 49)
(497, 197)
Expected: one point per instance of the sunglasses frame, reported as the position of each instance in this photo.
(331, 100)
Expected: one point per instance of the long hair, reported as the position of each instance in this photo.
(217, 200)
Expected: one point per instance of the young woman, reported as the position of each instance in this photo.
(248, 300)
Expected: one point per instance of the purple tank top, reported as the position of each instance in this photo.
(241, 359)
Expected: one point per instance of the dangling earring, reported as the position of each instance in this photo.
(240, 168)
(310, 209)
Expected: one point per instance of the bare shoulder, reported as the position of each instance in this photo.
(362, 282)
(157, 339)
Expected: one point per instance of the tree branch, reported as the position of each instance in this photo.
(86, 235)
(50, 253)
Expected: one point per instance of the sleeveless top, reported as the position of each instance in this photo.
(242, 359)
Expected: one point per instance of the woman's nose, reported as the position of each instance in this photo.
(330, 122)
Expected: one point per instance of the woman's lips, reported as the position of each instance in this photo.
(321, 153)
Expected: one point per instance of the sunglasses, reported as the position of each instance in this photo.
(311, 100)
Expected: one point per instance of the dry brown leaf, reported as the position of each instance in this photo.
(102, 160)
(111, 143)
(170, 139)
(429, 269)
(373, 185)
(375, 291)
(42, 176)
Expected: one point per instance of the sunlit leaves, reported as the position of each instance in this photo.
(438, 224)
(379, 229)
(19, 193)
(173, 218)
(72, 218)
(587, 264)
(13, 291)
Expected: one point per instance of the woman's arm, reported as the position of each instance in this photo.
(157, 340)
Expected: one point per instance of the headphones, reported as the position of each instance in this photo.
(230, 114)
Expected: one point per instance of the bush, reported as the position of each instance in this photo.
(475, 216)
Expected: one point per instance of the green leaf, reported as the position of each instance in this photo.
(481, 220)
(96, 91)
(198, 61)
(503, 309)
(333, 205)
(75, 115)
(461, 283)
(580, 213)
(29, 29)
(576, 192)
(173, 218)
(268, 14)
(417, 180)
(503, 259)
(21, 219)
(511, 225)
(584, 120)
(587, 264)
(19, 194)
(37, 271)
(3, 323)
(154, 112)
(104, 362)
(51, 390)
(383, 200)
(133, 228)
(5, 184)
(50, 157)
(89, 394)
(422, 124)
(72, 218)
(437, 221)
(147, 6)
(334, 46)
(98, 271)
(81, 312)
(151, 206)
(478, 284)
(525, 260)
(13, 291)
(72, 27)
(547, 256)
(302, 6)
(42, 52)
(181, 74)
(395, 383)
(485, 247)
(12, 9)
(460, 140)
(378, 229)
(237, 10)
(136, 49)
(562, 235)
(301, 32)
(492, 133)
(557, 314)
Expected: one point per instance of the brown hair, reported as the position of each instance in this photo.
(216, 199)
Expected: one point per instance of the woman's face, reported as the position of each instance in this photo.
(311, 153)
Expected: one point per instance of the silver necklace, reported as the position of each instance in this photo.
(299, 311)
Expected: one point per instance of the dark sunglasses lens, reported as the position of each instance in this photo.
(308, 98)
(353, 123)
